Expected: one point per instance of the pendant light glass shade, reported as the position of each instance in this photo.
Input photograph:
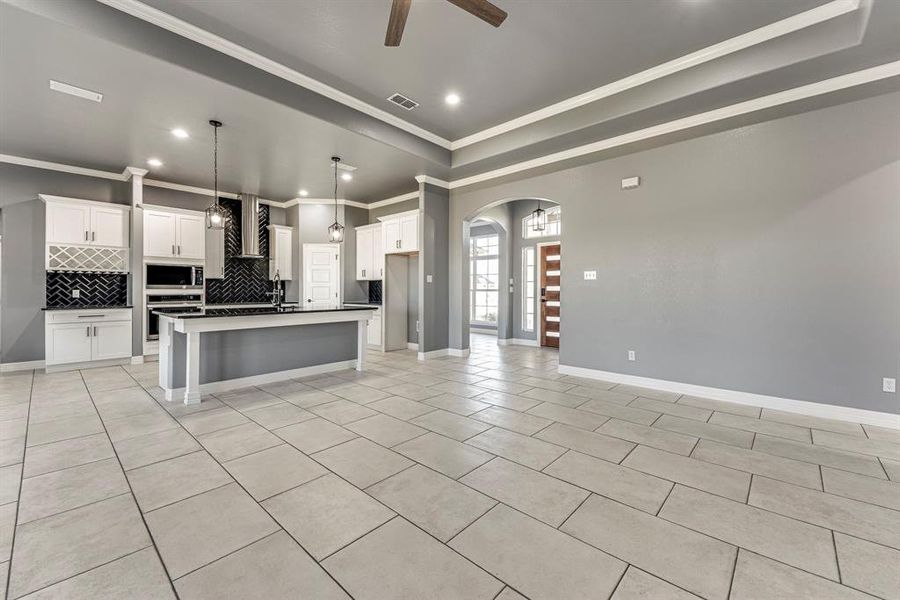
(336, 230)
(215, 213)
(538, 219)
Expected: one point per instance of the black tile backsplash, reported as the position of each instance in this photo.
(96, 289)
(375, 292)
(246, 279)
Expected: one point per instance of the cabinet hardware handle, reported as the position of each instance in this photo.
(85, 235)
(179, 250)
(90, 316)
(173, 249)
(95, 331)
(88, 332)
(364, 272)
(93, 236)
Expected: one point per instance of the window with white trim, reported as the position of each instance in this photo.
(553, 227)
(484, 279)
(528, 289)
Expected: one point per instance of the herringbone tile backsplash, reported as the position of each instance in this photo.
(97, 289)
(246, 279)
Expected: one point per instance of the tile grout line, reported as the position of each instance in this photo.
(15, 527)
(128, 482)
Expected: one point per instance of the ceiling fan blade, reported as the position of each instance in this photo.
(399, 11)
(482, 9)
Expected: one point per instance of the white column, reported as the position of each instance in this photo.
(139, 313)
(165, 363)
(362, 327)
(192, 368)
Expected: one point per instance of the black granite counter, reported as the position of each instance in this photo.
(89, 307)
(207, 313)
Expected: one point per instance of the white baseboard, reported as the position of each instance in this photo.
(458, 353)
(804, 407)
(137, 360)
(27, 365)
(517, 342)
(93, 364)
(262, 379)
(412, 346)
(433, 353)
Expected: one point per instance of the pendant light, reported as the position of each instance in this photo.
(215, 214)
(336, 230)
(538, 218)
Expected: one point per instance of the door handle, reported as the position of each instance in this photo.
(309, 299)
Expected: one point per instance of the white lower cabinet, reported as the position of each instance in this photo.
(373, 333)
(80, 336)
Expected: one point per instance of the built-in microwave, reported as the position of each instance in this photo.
(173, 276)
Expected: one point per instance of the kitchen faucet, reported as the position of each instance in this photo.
(276, 292)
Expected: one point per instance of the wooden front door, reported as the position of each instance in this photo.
(549, 280)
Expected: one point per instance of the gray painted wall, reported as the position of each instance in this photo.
(22, 271)
(412, 315)
(391, 209)
(434, 206)
(764, 259)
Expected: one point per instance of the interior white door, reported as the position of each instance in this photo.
(159, 233)
(321, 274)
(111, 340)
(191, 242)
(109, 227)
(68, 223)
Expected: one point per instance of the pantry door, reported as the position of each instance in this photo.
(321, 274)
(549, 281)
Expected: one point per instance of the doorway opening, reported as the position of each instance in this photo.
(550, 291)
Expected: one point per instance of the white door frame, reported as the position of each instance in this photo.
(336, 248)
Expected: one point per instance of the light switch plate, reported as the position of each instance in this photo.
(631, 355)
(631, 183)
(428, 279)
(590, 275)
(889, 384)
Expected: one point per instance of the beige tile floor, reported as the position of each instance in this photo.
(487, 477)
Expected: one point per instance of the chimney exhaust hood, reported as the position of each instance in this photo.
(250, 226)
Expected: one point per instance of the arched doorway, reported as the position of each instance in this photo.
(519, 315)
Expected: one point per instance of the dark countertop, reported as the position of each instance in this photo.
(207, 313)
(89, 307)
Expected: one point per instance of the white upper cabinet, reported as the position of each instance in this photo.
(170, 234)
(281, 244)
(369, 253)
(85, 223)
(401, 233)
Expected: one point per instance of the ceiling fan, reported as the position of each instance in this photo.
(482, 9)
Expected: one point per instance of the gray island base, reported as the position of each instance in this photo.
(222, 349)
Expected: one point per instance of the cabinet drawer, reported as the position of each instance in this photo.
(89, 316)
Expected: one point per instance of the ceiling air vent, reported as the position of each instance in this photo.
(403, 102)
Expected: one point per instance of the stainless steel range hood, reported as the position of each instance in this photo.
(250, 226)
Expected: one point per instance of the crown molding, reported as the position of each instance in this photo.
(236, 51)
(130, 172)
(321, 201)
(433, 181)
(394, 200)
(53, 166)
(811, 17)
(819, 88)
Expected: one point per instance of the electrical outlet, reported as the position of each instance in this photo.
(76, 293)
(590, 275)
(889, 384)
(631, 355)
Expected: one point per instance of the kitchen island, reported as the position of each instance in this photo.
(218, 349)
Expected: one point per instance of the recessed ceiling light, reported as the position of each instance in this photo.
(154, 162)
(180, 133)
(65, 88)
(346, 176)
(452, 99)
(303, 193)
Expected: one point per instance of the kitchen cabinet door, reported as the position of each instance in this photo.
(373, 331)
(68, 343)
(409, 233)
(364, 245)
(109, 226)
(391, 237)
(68, 223)
(159, 233)
(377, 254)
(110, 340)
(191, 236)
